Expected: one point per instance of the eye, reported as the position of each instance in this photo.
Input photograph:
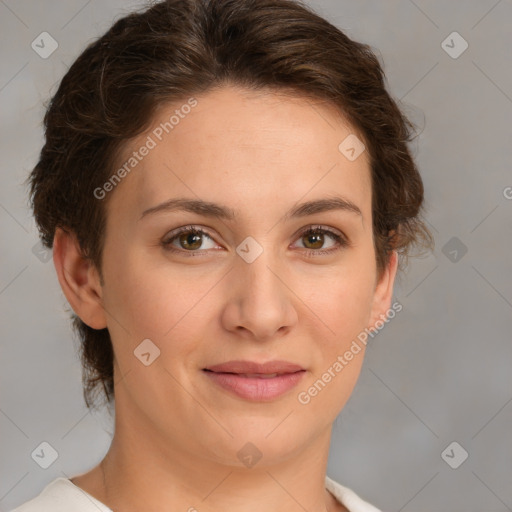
(315, 238)
(191, 239)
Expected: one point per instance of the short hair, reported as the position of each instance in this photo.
(174, 49)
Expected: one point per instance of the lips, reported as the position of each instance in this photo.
(256, 381)
(251, 368)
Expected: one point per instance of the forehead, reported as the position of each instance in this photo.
(249, 150)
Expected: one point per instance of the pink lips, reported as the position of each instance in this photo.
(256, 381)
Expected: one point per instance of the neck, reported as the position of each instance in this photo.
(141, 472)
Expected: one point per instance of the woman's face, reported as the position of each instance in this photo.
(254, 287)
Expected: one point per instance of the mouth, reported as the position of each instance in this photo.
(254, 381)
(253, 375)
(241, 367)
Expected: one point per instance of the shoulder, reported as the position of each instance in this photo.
(348, 497)
(61, 495)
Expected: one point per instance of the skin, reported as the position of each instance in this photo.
(176, 434)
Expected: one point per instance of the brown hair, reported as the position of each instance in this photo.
(178, 48)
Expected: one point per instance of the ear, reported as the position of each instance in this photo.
(384, 291)
(78, 279)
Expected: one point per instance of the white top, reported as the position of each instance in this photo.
(62, 495)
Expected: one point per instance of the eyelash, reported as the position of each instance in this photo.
(312, 230)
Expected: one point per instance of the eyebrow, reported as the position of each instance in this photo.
(214, 210)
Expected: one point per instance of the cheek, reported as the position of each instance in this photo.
(147, 297)
(353, 308)
(346, 311)
(144, 304)
(342, 300)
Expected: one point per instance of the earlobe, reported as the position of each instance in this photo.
(79, 279)
(384, 290)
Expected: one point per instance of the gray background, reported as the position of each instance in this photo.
(439, 372)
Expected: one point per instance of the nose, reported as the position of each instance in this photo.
(260, 303)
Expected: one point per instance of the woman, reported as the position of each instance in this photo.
(227, 189)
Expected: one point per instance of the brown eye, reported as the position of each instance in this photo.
(314, 239)
(188, 239)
